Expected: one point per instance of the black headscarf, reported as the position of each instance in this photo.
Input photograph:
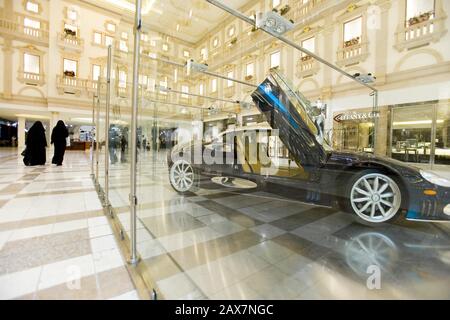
(36, 135)
(59, 133)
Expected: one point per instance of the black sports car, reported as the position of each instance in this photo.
(291, 158)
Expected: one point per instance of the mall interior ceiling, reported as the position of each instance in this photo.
(292, 150)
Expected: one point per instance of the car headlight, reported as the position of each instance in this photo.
(435, 179)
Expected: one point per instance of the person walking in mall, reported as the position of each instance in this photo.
(113, 139)
(124, 145)
(34, 154)
(59, 140)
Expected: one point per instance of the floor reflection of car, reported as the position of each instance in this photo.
(291, 158)
(395, 250)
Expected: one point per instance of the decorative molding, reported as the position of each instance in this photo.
(435, 54)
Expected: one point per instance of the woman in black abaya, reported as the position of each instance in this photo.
(59, 136)
(35, 145)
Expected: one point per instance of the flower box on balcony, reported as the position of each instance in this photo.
(352, 42)
(306, 58)
(420, 18)
(285, 10)
(233, 41)
(68, 32)
(248, 78)
(69, 74)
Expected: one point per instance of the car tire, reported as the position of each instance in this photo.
(183, 177)
(374, 196)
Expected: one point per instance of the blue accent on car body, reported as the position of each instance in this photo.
(279, 106)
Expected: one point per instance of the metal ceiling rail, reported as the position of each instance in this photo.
(201, 96)
(213, 74)
(250, 21)
(174, 104)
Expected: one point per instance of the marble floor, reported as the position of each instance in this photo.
(55, 242)
(221, 244)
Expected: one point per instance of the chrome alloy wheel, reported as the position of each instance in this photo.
(375, 197)
(182, 176)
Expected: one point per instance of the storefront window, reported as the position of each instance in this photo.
(442, 149)
(353, 131)
(411, 133)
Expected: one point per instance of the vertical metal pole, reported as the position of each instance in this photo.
(134, 111)
(92, 137)
(375, 120)
(97, 132)
(108, 97)
(433, 135)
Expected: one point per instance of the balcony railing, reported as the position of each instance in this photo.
(306, 67)
(30, 78)
(68, 41)
(18, 30)
(304, 10)
(420, 34)
(71, 85)
(352, 54)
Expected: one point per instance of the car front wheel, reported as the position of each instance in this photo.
(374, 196)
(183, 177)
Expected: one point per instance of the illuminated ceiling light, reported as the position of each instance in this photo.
(405, 123)
(280, 29)
(178, 27)
(122, 4)
(130, 6)
(190, 13)
(270, 23)
(87, 120)
(273, 22)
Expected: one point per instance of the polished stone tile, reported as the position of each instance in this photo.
(107, 259)
(270, 251)
(301, 246)
(114, 282)
(178, 286)
(238, 291)
(268, 231)
(242, 263)
(212, 277)
(171, 223)
(103, 243)
(212, 218)
(20, 283)
(130, 295)
(85, 288)
(161, 267)
(13, 188)
(271, 283)
(66, 271)
(302, 218)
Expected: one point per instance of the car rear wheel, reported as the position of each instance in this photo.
(374, 196)
(183, 177)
